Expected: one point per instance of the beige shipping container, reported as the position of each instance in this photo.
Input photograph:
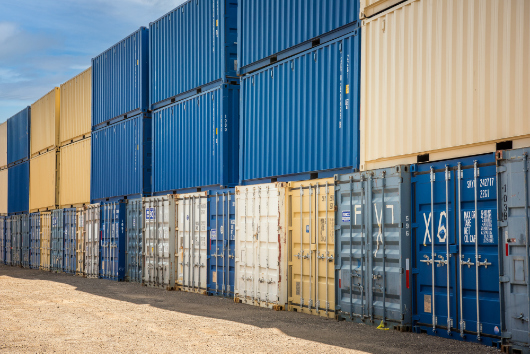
(3, 145)
(447, 78)
(369, 8)
(76, 104)
(45, 116)
(43, 182)
(3, 191)
(310, 211)
(74, 174)
(45, 240)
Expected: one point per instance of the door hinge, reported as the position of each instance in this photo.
(502, 223)
(501, 169)
(504, 279)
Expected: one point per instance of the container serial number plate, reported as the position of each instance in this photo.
(427, 303)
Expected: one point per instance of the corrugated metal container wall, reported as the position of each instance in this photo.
(195, 141)
(192, 46)
(74, 174)
(34, 240)
(514, 242)
(8, 250)
(269, 28)
(76, 108)
(444, 90)
(373, 247)
(16, 238)
(112, 246)
(135, 256)
(4, 175)
(18, 132)
(18, 188)
(45, 241)
(121, 160)
(120, 79)
(80, 242)
(160, 242)
(310, 213)
(455, 258)
(3, 239)
(45, 118)
(369, 8)
(69, 242)
(193, 241)
(3, 145)
(302, 115)
(43, 180)
(222, 267)
(92, 235)
(261, 235)
(26, 243)
(57, 241)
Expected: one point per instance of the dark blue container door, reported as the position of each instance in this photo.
(112, 245)
(222, 242)
(34, 240)
(57, 241)
(18, 188)
(446, 203)
(69, 254)
(18, 134)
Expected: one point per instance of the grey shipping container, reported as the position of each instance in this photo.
(26, 243)
(56, 256)
(159, 242)
(373, 247)
(18, 226)
(3, 239)
(514, 264)
(92, 229)
(8, 241)
(34, 240)
(134, 241)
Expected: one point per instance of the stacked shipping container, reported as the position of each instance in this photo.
(3, 169)
(18, 153)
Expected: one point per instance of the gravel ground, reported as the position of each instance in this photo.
(45, 312)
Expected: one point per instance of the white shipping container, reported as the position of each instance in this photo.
(92, 228)
(192, 226)
(261, 246)
(159, 242)
(446, 78)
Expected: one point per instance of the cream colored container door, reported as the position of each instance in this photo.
(260, 246)
(159, 270)
(92, 225)
(311, 230)
(80, 242)
(45, 241)
(192, 214)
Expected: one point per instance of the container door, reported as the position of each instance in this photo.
(160, 247)
(8, 240)
(92, 230)
(34, 239)
(110, 239)
(193, 242)
(465, 285)
(134, 241)
(80, 242)
(2, 239)
(57, 241)
(70, 235)
(26, 244)
(222, 243)
(46, 241)
(17, 241)
(514, 199)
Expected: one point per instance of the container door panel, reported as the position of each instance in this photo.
(57, 240)
(26, 242)
(80, 242)
(134, 241)
(92, 240)
(8, 248)
(45, 241)
(2, 239)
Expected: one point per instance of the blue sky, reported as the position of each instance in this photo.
(43, 43)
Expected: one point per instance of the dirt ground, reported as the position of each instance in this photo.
(45, 312)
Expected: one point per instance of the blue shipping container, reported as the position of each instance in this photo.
(302, 114)
(18, 131)
(18, 188)
(121, 160)
(195, 141)
(221, 263)
(34, 240)
(69, 240)
(271, 30)
(120, 80)
(112, 247)
(457, 275)
(57, 240)
(3, 239)
(193, 46)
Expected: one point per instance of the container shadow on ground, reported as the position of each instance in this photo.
(312, 328)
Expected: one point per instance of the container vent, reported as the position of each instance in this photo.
(504, 145)
(422, 158)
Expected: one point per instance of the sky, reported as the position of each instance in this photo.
(44, 43)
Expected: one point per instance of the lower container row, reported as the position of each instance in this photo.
(441, 248)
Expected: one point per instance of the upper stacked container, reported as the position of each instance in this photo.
(192, 49)
(119, 80)
(121, 124)
(45, 119)
(75, 141)
(3, 168)
(270, 30)
(18, 152)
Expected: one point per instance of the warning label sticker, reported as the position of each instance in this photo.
(346, 215)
